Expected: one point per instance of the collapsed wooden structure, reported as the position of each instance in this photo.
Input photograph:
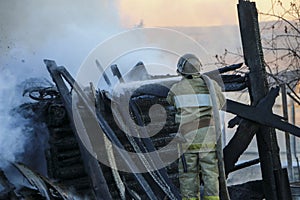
(72, 165)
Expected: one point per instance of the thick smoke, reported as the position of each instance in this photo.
(12, 139)
(62, 30)
(31, 31)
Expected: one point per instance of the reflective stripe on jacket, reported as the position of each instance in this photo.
(192, 100)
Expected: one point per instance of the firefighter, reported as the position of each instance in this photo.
(191, 98)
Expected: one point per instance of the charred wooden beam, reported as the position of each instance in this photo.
(91, 164)
(7, 189)
(262, 113)
(116, 72)
(246, 164)
(266, 137)
(239, 143)
(93, 167)
(224, 70)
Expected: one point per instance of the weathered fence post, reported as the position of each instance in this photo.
(275, 185)
(287, 135)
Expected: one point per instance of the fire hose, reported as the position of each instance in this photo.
(216, 115)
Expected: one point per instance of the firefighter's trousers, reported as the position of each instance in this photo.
(200, 156)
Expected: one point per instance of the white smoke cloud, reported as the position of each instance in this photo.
(30, 31)
(12, 136)
(62, 30)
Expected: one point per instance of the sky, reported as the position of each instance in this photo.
(185, 12)
(37, 27)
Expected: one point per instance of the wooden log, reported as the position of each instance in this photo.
(266, 137)
(239, 143)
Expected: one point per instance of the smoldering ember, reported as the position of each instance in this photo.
(90, 155)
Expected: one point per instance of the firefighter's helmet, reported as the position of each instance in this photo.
(189, 64)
